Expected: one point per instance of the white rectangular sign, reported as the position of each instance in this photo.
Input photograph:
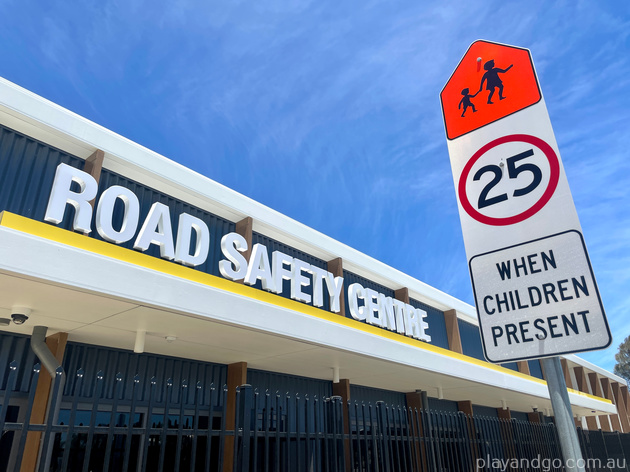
(538, 297)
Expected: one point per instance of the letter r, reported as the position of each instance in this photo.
(61, 194)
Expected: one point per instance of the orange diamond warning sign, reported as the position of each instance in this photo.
(491, 82)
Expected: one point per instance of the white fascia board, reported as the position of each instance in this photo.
(62, 128)
(591, 403)
(22, 254)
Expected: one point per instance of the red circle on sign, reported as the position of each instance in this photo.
(554, 166)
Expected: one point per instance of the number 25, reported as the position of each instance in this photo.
(513, 172)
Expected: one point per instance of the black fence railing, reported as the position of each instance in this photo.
(172, 429)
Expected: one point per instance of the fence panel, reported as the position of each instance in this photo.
(173, 428)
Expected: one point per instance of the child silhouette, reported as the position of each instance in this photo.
(465, 101)
(492, 80)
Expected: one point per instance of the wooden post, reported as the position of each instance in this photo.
(245, 229)
(596, 388)
(534, 417)
(342, 389)
(93, 166)
(335, 267)
(567, 372)
(414, 403)
(402, 294)
(568, 380)
(607, 391)
(236, 376)
(57, 345)
(506, 432)
(452, 331)
(626, 399)
(523, 367)
(621, 406)
(582, 385)
(465, 407)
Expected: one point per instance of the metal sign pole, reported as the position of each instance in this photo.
(571, 452)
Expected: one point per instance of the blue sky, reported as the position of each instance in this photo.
(329, 111)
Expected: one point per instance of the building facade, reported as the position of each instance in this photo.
(130, 263)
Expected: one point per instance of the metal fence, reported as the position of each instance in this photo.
(175, 430)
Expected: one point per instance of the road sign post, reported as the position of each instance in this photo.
(569, 443)
(535, 291)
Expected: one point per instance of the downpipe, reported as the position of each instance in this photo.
(51, 364)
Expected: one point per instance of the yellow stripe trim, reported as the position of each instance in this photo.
(79, 241)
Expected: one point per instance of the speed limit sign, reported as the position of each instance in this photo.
(534, 288)
(532, 169)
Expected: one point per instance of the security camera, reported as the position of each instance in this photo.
(19, 318)
(19, 315)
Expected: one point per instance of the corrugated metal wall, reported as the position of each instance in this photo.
(283, 383)
(471, 340)
(479, 410)
(519, 415)
(274, 245)
(471, 343)
(535, 369)
(442, 405)
(27, 171)
(16, 347)
(435, 320)
(114, 361)
(359, 393)
(291, 393)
